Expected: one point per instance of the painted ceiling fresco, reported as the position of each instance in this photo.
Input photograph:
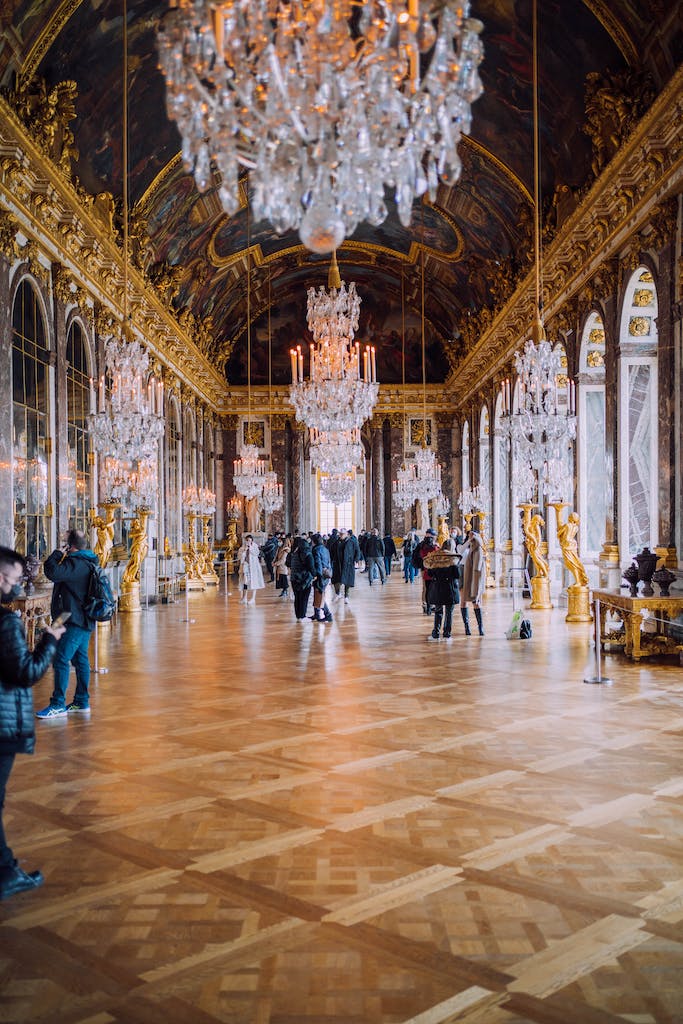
(471, 240)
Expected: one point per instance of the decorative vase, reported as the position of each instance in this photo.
(32, 570)
(647, 563)
(664, 578)
(632, 575)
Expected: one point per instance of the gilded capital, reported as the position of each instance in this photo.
(61, 283)
(8, 235)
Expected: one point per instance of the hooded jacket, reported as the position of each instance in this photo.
(20, 669)
(71, 577)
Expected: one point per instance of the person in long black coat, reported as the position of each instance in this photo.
(389, 552)
(442, 588)
(347, 553)
(301, 575)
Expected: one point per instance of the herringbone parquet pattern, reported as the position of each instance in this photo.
(265, 822)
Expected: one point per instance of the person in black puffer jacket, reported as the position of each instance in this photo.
(20, 669)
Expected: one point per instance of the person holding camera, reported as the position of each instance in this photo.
(20, 669)
(69, 570)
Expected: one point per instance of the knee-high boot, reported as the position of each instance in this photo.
(477, 615)
(465, 612)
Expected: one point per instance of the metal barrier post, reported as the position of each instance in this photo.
(598, 677)
(97, 668)
(227, 592)
(187, 602)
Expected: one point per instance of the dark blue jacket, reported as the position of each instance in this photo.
(71, 577)
(20, 669)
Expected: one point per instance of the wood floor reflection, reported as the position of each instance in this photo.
(265, 822)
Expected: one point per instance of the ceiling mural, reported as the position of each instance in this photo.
(476, 236)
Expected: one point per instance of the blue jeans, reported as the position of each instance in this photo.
(6, 855)
(408, 570)
(72, 649)
(387, 564)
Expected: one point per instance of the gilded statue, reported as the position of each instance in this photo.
(567, 538)
(138, 549)
(105, 534)
(443, 532)
(533, 535)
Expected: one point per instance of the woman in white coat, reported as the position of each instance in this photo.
(474, 580)
(250, 574)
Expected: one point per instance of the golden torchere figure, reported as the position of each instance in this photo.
(138, 548)
(104, 525)
(532, 527)
(567, 538)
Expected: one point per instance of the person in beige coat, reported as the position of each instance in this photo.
(474, 580)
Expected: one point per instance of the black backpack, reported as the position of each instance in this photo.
(99, 604)
(525, 631)
(416, 558)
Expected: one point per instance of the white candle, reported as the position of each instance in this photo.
(102, 393)
(292, 356)
(92, 397)
(301, 362)
(365, 363)
(374, 364)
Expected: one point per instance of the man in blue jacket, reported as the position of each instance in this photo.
(70, 571)
(20, 669)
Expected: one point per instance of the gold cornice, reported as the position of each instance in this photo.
(490, 157)
(67, 229)
(646, 170)
(158, 182)
(605, 15)
(50, 30)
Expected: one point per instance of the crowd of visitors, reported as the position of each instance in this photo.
(452, 574)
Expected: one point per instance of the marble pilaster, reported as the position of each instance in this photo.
(393, 455)
(297, 460)
(276, 521)
(229, 435)
(219, 479)
(609, 556)
(376, 512)
(60, 439)
(666, 427)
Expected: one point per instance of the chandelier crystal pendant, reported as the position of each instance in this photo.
(327, 102)
(342, 389)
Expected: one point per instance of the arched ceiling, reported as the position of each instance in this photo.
(470, 244)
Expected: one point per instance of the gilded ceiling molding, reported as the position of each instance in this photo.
(491, 158)
(605, 15)
(627, 197)
(62, 226)
(51, 29)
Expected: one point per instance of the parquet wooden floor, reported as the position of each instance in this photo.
(265, 822)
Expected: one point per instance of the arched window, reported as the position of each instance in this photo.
(484, 460)
(78, 396)
(465, 456)
(591, 437)
(638, 442)
(189, 450)
(30, 411)
(501, 480)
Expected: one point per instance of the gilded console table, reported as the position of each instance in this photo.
(636, 644)
(35, 612)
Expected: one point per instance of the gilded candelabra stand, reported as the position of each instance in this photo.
(206, 569)
(104, 528)
(193, 558)
(540, 582)
(129, 600)
(578, 594)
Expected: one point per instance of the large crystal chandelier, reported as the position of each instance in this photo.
(327, 102)
(272, 498)
(341, 392)
(338, 488)
(128, 421)
(131, 482)
(540, 422)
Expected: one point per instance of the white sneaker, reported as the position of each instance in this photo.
(346, 601)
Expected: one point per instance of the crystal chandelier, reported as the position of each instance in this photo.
(427, 476)
(338, 488)
(402, 490)
(128, 421)
(335, 452)
(249, 472)
(131, 482)
(233, 509)
(327, 102)
(272, 498)
(206, 501)
(340, 393)
(540, 423)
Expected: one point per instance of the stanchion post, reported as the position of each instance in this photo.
(598, 677)
(227, 592)
(97, 668)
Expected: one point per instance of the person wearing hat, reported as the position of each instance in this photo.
(427, 544)
(442, 589)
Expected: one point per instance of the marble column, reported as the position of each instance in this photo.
(444, 436)
(219, 478)
(6, 433)
(229, 455)
(393, 454)
(276, 521)
(298, 481)
(60, 440)
(666, 430)
(376, 517)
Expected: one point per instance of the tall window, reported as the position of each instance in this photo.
(465, 456)
(172, 460)
(591, 437)
(501, 479)
(330, 515)
(78, 397)
(30, 410)
(638, 442)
